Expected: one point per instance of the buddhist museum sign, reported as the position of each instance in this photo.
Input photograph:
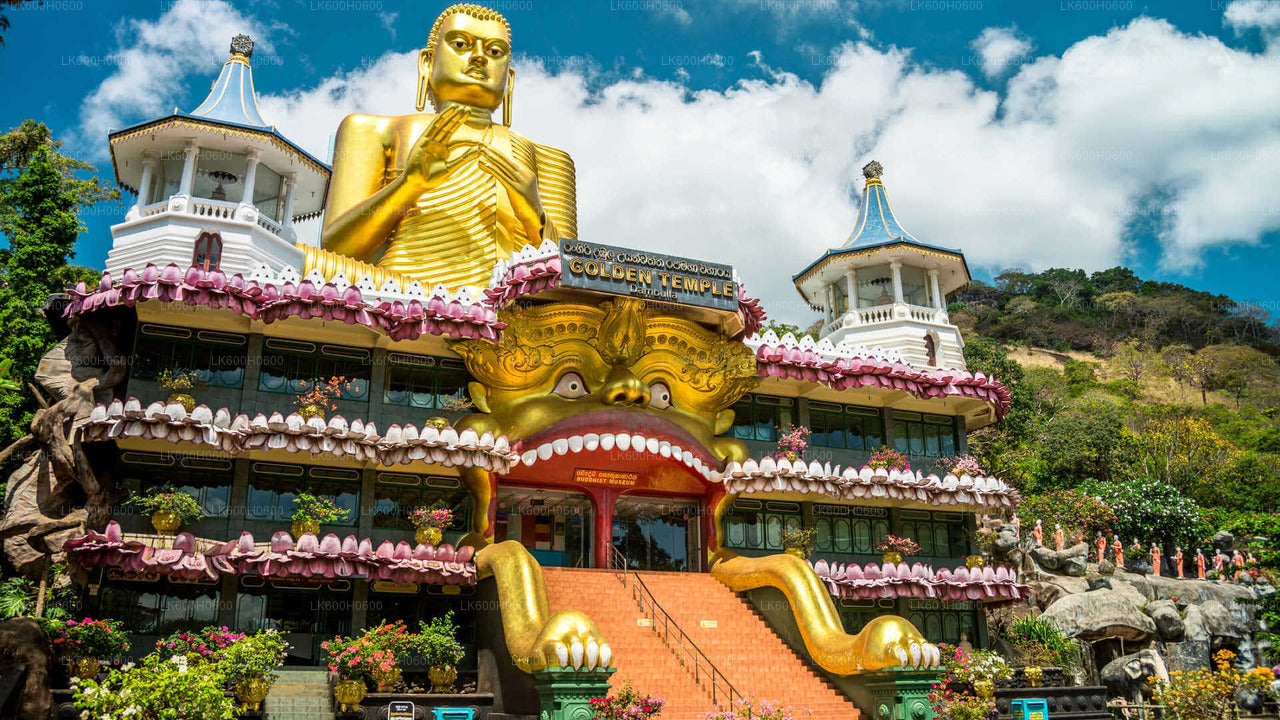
(648, 275)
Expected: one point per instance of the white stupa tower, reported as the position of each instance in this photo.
(884, 288)
(216, 187)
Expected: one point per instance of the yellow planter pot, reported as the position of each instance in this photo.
(974, 561)
(251, 693)
(165, 522)
(386, 681)
(1034, 675)
(428, 535)
(83, 667)
(891, 557)
(348, 694)
(985, 688)
(302, 527)
(311, 410)
(442, 677)
(187, 402)
(798, 552)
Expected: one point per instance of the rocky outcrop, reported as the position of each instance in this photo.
(1068, 561)
(1100, 614)
(25, 651)
(1168, 621)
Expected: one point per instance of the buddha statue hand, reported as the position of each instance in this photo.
(429, 163)
(521, 183)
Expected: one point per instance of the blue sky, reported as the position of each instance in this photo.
(1036, 134)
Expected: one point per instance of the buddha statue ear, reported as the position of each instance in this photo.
(507, 95)
(424, 75)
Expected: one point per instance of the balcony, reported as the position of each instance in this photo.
(885, 314)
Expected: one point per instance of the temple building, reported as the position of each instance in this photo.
(579, 434)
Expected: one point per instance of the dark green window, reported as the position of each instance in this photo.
(217, 358)
(159, 608)
(849, 530)
(208, 480)
(855, 614)
(927, 435)
(758, 525)
(759, 417)
(396, 494)
(273, 488)
(943, 621)
(422, 381)
(845, 426)
(939, 534)
(288, 365)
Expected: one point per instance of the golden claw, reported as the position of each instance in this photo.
(537, 639)
(886, 641)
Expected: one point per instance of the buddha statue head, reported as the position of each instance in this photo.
(467, 60)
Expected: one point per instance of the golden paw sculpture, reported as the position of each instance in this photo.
(537, 639)
(887, 641)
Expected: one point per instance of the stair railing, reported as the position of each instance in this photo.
(705, 674)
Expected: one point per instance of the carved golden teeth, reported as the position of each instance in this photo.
(625, 442)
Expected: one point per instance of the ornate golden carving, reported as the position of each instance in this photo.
(531, 630)
(441, 197)
(875, 648)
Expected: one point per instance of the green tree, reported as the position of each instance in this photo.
(1000, 448)
(41, 192)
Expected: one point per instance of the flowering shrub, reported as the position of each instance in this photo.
(201, 644)
(793, 440)
(965, 667)
(800, 539)
(760, 710)
(626, 704)
(376, 651)
(322, 392)
(1208, 694)
(178, 381)
(437, 641)
(1039, 642)
(170, 500)
(89, 638)
(453, 403)
(158, 688)
(960, 465)
(310, 507)
(1149, 509)
(436, 517)
(901, 545)
(1082, 517)
(889, 459)
(954, 705)
(254, 656)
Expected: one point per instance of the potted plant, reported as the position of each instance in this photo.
(317, 396)
(799, 542)
(895, 548)
(793, 440)
(179, 384)
(169, 509)
(889, 459)
(309, 511)
(626, 704)
(86, 643)
(250, 664)
(372, 656)
(197, 647)
(429, 523)
(438, 646)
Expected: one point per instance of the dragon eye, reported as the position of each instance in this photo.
(571, 386)
(659, 396)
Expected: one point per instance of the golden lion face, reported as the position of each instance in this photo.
(567, 371)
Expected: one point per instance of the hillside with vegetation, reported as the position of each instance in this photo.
(1158, 399)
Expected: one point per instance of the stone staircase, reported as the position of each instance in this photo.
(724, 626)
(300, 694)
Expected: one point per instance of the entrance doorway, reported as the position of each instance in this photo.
(656, 533)
(554, 525)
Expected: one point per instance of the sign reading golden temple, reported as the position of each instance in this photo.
(648, 275)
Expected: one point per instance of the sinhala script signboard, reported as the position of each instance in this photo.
(648, 275)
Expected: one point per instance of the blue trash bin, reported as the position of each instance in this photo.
(454, 713)
(1029, 709)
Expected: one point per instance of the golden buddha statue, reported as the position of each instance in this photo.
(441, 197)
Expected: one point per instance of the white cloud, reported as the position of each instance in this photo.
(765, 175)
(998, 48)
(1243, 15)
(157, 58)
